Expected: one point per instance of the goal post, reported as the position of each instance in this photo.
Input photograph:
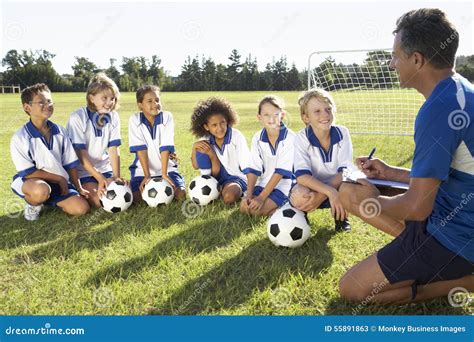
(367, 92)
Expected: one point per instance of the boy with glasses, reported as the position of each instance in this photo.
(45, 159)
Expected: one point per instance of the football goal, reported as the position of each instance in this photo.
(367, 92)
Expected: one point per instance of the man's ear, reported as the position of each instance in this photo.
(419, 60)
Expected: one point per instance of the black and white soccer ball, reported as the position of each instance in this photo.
(158, 191)
(288, 227)
(203, 189)
(118, 197)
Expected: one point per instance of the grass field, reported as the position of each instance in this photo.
(158, 261)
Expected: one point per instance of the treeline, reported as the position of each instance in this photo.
(28, 67)
(202, 73)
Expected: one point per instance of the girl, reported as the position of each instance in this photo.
(322, 151)
(151, 137)
(271, 161)
(95, 135)
(221, 151)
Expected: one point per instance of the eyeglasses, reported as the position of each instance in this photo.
(42, 104)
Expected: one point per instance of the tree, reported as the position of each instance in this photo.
(233, 70)
(209, 74)
(28, 67)
(293, 81)
(190, 77)
(83, 70)
(112, 71)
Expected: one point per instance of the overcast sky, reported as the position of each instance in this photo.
(101, 30)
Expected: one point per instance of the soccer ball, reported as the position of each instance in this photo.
(118, 197)
(288, 227)
(158, 191)
(203, 189)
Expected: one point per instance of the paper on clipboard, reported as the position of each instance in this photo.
(354, 175)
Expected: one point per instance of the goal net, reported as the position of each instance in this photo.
(367, 92)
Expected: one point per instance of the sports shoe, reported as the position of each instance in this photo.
(32, 212)
(342, 226)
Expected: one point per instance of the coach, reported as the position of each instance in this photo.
(433, 222)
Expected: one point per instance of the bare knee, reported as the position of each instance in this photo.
(39, 193)
(350, 291)
(297, 200)
(229, 197)
(77, 206)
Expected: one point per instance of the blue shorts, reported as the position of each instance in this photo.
(416, 255)
(223, 178)
(177, 179)
(54, 198)
(90, 179)
(276, 196)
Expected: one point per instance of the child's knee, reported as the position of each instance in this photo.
(297, 200)
(229, 197)
(77, 207)
(39, 193)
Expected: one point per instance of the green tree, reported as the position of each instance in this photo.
(83, 70)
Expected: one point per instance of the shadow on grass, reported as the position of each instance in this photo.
(197, 238)
(257, 267)
(67, 236)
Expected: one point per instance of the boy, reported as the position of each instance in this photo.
(322, 151)
(45, 160)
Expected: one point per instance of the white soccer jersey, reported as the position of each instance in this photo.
(30, 151)
(155, 139)
(266, 160)
(312, 159)
(234, 155)
(87, 134)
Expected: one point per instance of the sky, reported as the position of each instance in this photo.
(101, 30)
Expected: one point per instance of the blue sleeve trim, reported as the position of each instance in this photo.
(299, 173)
(283, 172)
(138, 148)
(248, 170)
(427, 173)
(167, 148)
(342, 168)
(117, 142)
(27, 172)
(72, 165)
(79, 146)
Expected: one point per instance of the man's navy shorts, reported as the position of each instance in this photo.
(417, 255)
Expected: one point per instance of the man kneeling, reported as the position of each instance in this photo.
(433, 222)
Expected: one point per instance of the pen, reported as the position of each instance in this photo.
(371, 154)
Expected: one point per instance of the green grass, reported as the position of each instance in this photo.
(156, 261)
